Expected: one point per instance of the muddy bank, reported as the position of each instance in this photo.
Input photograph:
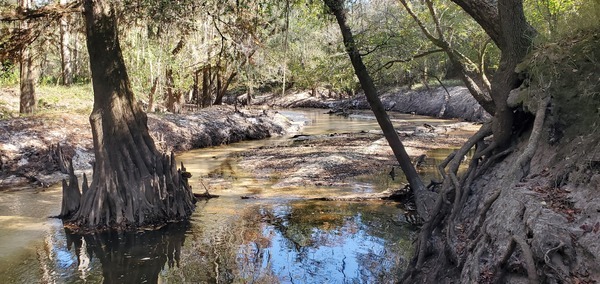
(532, 212)
(26, 144)
(453, 102)
(542, 229)
(338, 160)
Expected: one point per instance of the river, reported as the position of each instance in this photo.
(279, 239)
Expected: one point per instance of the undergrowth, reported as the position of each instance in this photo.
(51, 99)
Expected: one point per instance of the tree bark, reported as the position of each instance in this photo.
(517, 38)
(65, 52)
(28, 72)
(151, 95)
(424, 198)
(206, 85)
(133, 184)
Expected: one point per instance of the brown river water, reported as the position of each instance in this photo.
(277, 239)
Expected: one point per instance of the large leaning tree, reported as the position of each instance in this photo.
(505, 23)
(133, 184)
(456, 232)
(423, 197)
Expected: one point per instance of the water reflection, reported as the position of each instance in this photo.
(231, 241)
(282, 238)
(298, 242)
(130, 257)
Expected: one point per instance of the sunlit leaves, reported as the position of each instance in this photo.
(555, 18)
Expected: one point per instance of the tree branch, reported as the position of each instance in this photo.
(455, 56)
(52, 11)
(390, 63)
(436, 20)
(484, 78)
(437, 41)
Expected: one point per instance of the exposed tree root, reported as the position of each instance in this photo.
(486, 207)
(528, 256)
(452, 162)
(510, 249)
(521, 167)
(475, 272)
(490, 161)
(159, 199)
(444, 163)
(451, 184)
(71, 194)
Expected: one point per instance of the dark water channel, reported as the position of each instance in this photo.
(228, 240)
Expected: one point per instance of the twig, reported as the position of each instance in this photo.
(547, 259)
(205, 188)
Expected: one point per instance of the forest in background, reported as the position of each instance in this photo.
(525, 210)
(196, 52)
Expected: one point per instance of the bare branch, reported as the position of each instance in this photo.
(375, 48)
(404, 60)
(484, 78)
(426, 32)
(52, 11)
(454, 55)
(436, 20)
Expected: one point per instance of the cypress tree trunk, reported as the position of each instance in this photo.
(206, 86)
(27, 83)
(133, 184)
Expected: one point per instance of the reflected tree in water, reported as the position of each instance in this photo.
(132, 257)
(340, 240)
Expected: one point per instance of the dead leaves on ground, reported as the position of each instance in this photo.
(558, 200)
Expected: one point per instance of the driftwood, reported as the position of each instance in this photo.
(206, 195)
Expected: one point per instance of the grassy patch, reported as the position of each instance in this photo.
(77, 99)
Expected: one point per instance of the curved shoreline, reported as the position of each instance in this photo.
(27, 144)
(457, 102)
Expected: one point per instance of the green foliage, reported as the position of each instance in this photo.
(9, 76)
(555, 19)
(315, 56)
(568, 70)
(55, 98)
(397, 51)
(587, 15)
